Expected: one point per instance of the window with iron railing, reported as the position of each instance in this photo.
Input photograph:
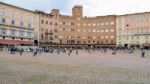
(13, 23)
(21, 34)
(3, 31)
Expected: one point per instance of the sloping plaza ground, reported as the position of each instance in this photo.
(85, 68)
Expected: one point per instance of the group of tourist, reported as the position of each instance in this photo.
(70, 50)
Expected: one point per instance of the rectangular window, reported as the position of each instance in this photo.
(127, 38)
(42, 21)
(13, 15)
(13, 22)
(60, 23)
(21, 18)
(98, 24)
(119, 37)
(106, 23)
(127, 20)
(112, 23)
(111, 36)
(94, 30)
(112, 30)
(102, 37)
(94, 24)
(29, 25)
(78, 30)
(55, 24)
(102, 24)
(29, 18)
(68, 23)
(13, 33)
(51, 23)
(84, 24)
(146, 37)
(60, 36)
(84, 30)
(1, 12)
(21, 34)
(94, 37)
(78, 24)
(64, 23)
(106, 37)
(102, 30)
(98, 30)
(141, 31)
(106, 30)
(21, 24)
(3, 21)
(46, 22)
(68, 30)
(84, 37)
(72, 23)
(30, 35)
(4, 31)
(78, 36)
(72, 30)
(132, 37)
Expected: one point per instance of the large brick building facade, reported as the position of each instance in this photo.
(76, 29)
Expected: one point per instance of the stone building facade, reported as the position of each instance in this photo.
(133, 29)
(16, 25)
(48, 26)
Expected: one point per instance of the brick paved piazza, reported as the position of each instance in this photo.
(85, 68)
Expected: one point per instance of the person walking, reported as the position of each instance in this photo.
(143, 54)
(77, 52)
(11, 50)
(40, 51)
(114, 52)
(35, 53)
(21, 52)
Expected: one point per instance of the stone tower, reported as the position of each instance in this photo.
(77, 11)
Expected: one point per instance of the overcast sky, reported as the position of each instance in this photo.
(90, 7)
